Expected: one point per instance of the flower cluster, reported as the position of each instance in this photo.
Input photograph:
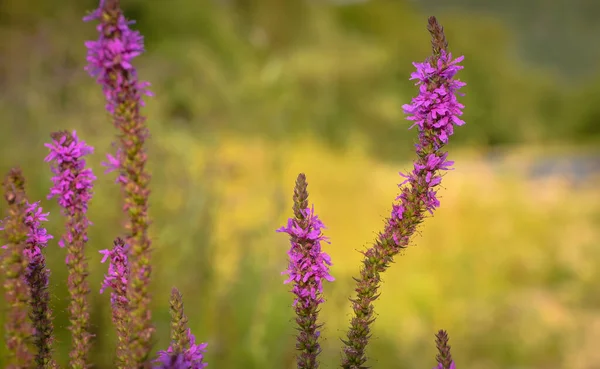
(308, 265)
(73, 182)
(37, 237)
(436, 107)
(118, 272)
(115, 50)
(190, 358)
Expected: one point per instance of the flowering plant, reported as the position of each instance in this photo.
(435, 112)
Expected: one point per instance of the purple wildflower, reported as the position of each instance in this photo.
(307, 268)
(118, 272)
(38, 237)
(37, 276)
(171, 361)
(308, 265)
(73, 188)
(440, 366)
(436, 106)
(435, 112)
(73, 182)
(112, 164)
(190, 358)
(116, 280)
(110, 62)
(114, 50)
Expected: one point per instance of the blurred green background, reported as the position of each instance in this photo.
(248, 93)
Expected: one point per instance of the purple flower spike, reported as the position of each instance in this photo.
(435, 112)
(116, 280)
(110, 61)
(73, 188)
(308, 267)
(37, 276)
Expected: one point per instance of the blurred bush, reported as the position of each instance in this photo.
(295, 68)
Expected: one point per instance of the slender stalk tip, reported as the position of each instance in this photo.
(444, 358)
(438, 38)
(179, 338)
(300, 196)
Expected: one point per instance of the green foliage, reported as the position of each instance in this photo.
(295, 68)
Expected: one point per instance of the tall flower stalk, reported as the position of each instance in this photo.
(434, 111)
(38, 277)
(109, 61)
(18, 329)
(116, 280)
(307, 268)
(73, 189)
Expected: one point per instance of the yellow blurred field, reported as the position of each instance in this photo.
(507, 265)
